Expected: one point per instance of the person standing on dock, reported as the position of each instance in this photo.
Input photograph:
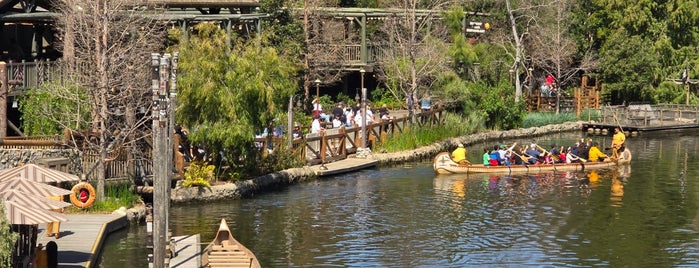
(617, 142)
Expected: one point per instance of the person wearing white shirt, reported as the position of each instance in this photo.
(336, 122)
(315, 126)
(358, 119)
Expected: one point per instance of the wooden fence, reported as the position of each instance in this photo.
(336, 144)
(331, 145)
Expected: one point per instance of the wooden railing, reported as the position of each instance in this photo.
(328, 146)
(338, 143)
(649, 115)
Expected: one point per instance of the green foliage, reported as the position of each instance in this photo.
(640, 44)
(198, 174)
(381, 96)
(414, 137)
(280, 159)
(7, 238)
(115, 197)
(45, 114)
(543, 119)
(590, 115)
(498, 106)
(226, 97)
(628, 68)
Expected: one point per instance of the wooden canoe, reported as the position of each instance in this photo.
(444, 165)
(225, 251)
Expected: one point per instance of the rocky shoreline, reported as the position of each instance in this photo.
(292, 176)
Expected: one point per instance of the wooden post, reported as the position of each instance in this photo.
(162, 166)
(4, 90)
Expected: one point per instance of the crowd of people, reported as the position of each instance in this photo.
(533, 154)
(346, 115)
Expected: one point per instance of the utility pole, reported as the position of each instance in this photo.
(163, 89)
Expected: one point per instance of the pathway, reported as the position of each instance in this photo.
(81, 237)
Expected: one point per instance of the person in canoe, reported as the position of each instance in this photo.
(595, 155)
(617, 142)
(486, 157)
(459, 155)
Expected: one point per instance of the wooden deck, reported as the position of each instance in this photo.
(82, 236)
(343, 166)
(188, 250)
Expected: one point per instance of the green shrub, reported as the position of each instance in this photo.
(115, 196)
(414, 136)
(198, 174)
(542, 119)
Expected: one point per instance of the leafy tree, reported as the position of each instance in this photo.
(7, 239)
(668, 30)
(106, 46)
(43, 101)
(628, 68)
(227, 97)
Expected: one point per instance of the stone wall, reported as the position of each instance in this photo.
(10, 158)
(295, 175)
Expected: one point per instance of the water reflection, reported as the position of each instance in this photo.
(407, 217)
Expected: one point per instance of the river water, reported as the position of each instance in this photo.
(642, 215)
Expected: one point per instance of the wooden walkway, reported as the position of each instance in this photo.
(188, 250)
(343, 166)
(82, 236)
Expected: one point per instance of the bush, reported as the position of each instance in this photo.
(198, 174)
(414, 137)
(115, 196)
(542, 119)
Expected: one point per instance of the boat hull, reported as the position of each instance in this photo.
(226, 251)
(444, 165)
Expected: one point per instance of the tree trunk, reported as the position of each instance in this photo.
(518, 53)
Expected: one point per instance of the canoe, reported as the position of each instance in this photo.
(444, 165)
(225, 251)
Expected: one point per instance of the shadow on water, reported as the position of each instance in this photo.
(644, 215)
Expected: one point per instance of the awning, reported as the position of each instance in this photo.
(32, 200)
(37, 173)
(19, 214)
(31, 187)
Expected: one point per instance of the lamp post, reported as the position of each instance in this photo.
(317, 89)
(362, 71)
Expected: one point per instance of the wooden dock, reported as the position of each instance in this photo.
(82, 236)
(188, 248)
(644, 118)
(343, 166)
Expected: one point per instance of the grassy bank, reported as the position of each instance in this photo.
(414, 136)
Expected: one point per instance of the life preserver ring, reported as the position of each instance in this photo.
(83, 195)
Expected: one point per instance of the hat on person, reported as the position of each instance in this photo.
(461, 145)
(532, 145)
(502, 146)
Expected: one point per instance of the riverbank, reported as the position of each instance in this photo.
(292, 176)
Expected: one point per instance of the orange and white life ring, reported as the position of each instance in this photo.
(83, 195)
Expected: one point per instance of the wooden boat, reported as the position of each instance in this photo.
(225, 251)
(444, 165)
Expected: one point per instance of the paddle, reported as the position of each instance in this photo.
(581, 159)
(525, 159)
(547, 152)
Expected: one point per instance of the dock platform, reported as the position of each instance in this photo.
(188, 248)
(344, 166)
(81, 237)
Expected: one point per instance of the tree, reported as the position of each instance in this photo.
(227, 97)
(7, 239)
(413, 47)
(552, 50)
(668, 30)
(106, 56)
